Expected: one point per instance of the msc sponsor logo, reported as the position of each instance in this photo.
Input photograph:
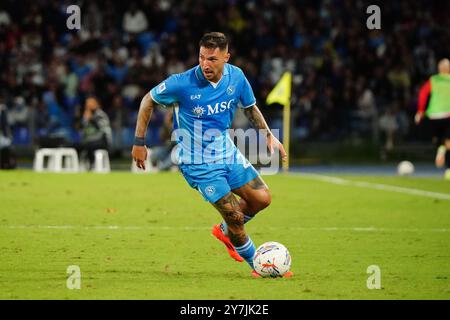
(219, 107)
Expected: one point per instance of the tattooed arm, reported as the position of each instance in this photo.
(139, 152)
(257, 120)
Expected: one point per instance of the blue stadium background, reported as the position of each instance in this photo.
(351, 85)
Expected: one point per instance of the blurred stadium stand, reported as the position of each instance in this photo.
(351, 85)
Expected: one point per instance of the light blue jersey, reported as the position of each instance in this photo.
(203, 113)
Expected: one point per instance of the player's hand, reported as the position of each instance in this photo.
(139, 154)
(418, 117)
(273, 143)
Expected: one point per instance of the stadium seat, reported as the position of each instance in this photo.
(59, 160)
(101, 163)
(21, 136)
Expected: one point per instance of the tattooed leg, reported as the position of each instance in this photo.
(254, 196)
(229, 208)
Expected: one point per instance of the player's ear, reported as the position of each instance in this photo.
(227, 56)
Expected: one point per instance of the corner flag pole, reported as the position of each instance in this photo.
(281, 94)
(286, 133)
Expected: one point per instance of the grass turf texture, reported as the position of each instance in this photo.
(162, 247)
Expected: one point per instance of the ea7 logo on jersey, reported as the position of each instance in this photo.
(161, 88)
(196, 96)
(219, 107)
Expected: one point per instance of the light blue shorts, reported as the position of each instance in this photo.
(214, 181)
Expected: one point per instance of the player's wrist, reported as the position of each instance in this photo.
(139, 141)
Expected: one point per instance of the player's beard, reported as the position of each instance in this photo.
(209, 75)
(212, 76)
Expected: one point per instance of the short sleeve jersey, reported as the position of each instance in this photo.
(203, 111)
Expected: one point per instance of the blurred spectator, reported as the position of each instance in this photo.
(134, 20)
(351, 75)
(19, 113)
(389, 127)
(7, 157)
(55, 124)
(4, 18)
(95, 131)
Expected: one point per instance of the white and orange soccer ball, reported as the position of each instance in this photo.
(272, 259)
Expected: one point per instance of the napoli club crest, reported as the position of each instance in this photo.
(198, 111)
(210, 190)
(230, 90)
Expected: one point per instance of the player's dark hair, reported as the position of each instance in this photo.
(212, 40)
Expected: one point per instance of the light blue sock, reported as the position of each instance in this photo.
(247, 251)
(224, 227)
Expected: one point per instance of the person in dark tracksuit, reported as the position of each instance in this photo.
(96, 131)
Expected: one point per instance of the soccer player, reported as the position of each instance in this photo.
(434, 103)
(205, 99)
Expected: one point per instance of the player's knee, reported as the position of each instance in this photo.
(261, 202)
(264, 200)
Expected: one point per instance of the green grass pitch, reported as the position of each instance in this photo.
(148, 237)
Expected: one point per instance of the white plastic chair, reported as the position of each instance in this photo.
(101, 163)
(59, 160)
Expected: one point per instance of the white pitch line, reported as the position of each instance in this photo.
(65, 227)
(377, 186)
(175, 228)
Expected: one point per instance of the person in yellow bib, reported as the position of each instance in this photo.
(434, 103)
